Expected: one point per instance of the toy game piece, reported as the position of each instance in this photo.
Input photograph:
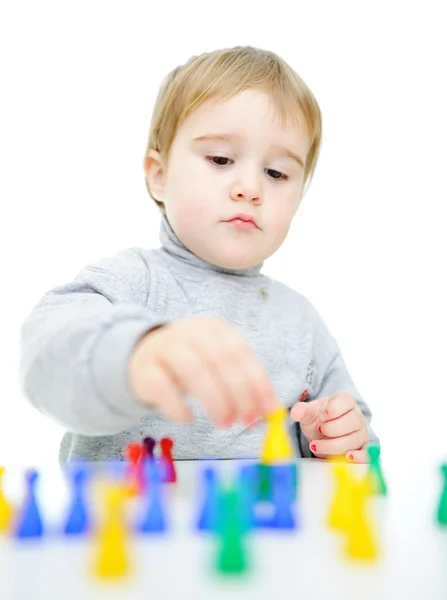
(166, 446)
(339, 513)
(135, 474)
(361, 543)
(211, 510)
(154, 518)
(29, 524)
(441, 516)
(277, 444)
(248, 485)
(282, 501)
(112, 560)
(149, 445)
(6, 508)
(292, 477)
(283, 495)
(232, 556)
(375, 470)
(78, 521)
(264, 482)
(265, 486)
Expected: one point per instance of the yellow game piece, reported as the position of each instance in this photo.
(6, 508)
(361, 540)
(277, 447)
(339, 513)
(112, 560)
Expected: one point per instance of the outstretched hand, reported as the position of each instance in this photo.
(334, 425)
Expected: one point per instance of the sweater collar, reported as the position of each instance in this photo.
(172, 245)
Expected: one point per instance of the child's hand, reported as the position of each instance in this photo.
(334, 425)
(204, 357)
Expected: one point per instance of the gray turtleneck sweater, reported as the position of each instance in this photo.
(76, 343)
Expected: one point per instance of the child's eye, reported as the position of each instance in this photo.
(218, 160)
(277, 175)
(223, 161)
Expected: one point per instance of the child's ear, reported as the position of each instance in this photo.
(154, 170)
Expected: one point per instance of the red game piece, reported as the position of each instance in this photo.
(135, 472)
(166, 446)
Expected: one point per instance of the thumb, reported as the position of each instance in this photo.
(307, 413)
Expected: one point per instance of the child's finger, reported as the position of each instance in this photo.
(359, 456)
(161, 385)
(339, 445)
(307, 413)
(198, 378)
(347, 423)
(239, 372)
(338, 404)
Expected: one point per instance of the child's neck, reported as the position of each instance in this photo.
(175, 248)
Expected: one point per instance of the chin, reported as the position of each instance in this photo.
(234, 262)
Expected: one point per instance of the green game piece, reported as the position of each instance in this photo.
(265, 482)
(441, 516)
(232, 557)
(375, 470)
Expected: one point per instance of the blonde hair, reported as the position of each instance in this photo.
(222, 74)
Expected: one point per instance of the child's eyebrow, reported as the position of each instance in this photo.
(228, 137)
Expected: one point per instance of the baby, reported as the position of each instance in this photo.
(190, 340)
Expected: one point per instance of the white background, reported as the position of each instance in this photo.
(368, 245)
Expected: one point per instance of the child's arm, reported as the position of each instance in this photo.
(87, 362)
(76, 342)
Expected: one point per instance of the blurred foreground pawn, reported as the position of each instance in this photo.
(134, 473)
(29, 524)
(154, 519)
(149, 446)
(441, 515)
(113, 560)
(361, 542)
(78, 521)
(283, 498)
(340, 505)
(277, 450)
(375, 470)
(248, 491)
(167, 460)
(210, 510)
(6, 508)
(277, 447)
(232, 553)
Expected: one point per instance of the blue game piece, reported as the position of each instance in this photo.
(30, 522)
(294, 480)
(283, 517)
(78, 521)
(154, 517)
(248, 486)
(210, 514)
(151, 467)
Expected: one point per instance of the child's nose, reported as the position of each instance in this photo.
(246, 187)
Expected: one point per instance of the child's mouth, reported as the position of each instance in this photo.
(240, 224)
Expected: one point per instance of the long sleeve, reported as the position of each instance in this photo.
(330, 375)
(76, 343)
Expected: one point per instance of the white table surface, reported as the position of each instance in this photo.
(307, 563)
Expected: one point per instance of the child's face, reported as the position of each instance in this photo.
(200, 195)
